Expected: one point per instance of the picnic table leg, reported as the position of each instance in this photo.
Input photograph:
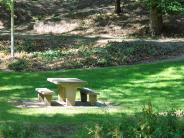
(62, 94)
(92, 99)
(48, 99)
(83, 97)
(70, 95)
(40, 97)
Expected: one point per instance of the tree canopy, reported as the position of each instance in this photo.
(166, 6)
(7, 3)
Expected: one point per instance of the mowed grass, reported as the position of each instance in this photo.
(128, 88)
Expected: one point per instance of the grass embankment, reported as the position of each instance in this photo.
(82, 52)
(128, 87)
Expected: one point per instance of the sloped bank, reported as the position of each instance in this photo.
(86, 56)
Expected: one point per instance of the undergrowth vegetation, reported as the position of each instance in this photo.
(82, 56)
(147, 124)
(16, 130)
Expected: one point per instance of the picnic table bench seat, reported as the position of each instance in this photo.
(92, 95)
(44, 95)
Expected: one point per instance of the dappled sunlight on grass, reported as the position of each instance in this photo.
(164, 86)
(13, 87)
(128, 87)
(69, 111)
(56, 115)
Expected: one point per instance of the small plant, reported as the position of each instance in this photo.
(19, 65)
(147, 124)
(49, 55)
(12, 130)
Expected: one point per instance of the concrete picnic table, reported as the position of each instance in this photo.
(67, 88)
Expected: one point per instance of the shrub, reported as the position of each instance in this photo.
(146, 124)
(49, 55)
(14, 130)
(19, 65)
(114, 53)
(28, 130)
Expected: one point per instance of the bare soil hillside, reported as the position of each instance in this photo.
(86, 17)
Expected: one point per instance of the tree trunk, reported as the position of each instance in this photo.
(118, 6)
(12, 28)
(156, 21)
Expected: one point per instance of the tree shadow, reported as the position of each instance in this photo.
(133, 21)
(59, 123)
(129, 87)
(55, 52)
(47, 120)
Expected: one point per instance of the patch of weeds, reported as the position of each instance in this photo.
(3, 45)
(16, 130)
(113, 54)
(141, 125)
(21, 130)
(29, 45)
(102, 19)
(49, 55)
(19, 65)
(93, 56)
(36, 45)
(129, 53)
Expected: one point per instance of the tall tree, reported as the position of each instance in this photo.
(157, 9)
(10, 6)
(12, 28)
(118, 6)
(156, 19)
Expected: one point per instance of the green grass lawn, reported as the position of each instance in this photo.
(128, 88)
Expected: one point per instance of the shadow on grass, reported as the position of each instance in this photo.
(48, 122)
(58, 124)
(129, 87)
(134, 17)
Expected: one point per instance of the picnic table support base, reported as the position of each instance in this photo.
(83, 97)
(62, 94)
(70, 96)
(92, 99)
(47, 100)
(40, 97)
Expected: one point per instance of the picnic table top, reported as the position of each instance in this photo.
(65, 80)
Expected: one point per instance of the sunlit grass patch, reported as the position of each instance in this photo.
(127, 88)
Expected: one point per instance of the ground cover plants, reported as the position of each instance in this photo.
(86, 54)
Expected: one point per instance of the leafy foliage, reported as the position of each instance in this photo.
(19, 65)
(15, 130)
(114, 53)
(7, 3)
(146, 124)
(166, 6)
